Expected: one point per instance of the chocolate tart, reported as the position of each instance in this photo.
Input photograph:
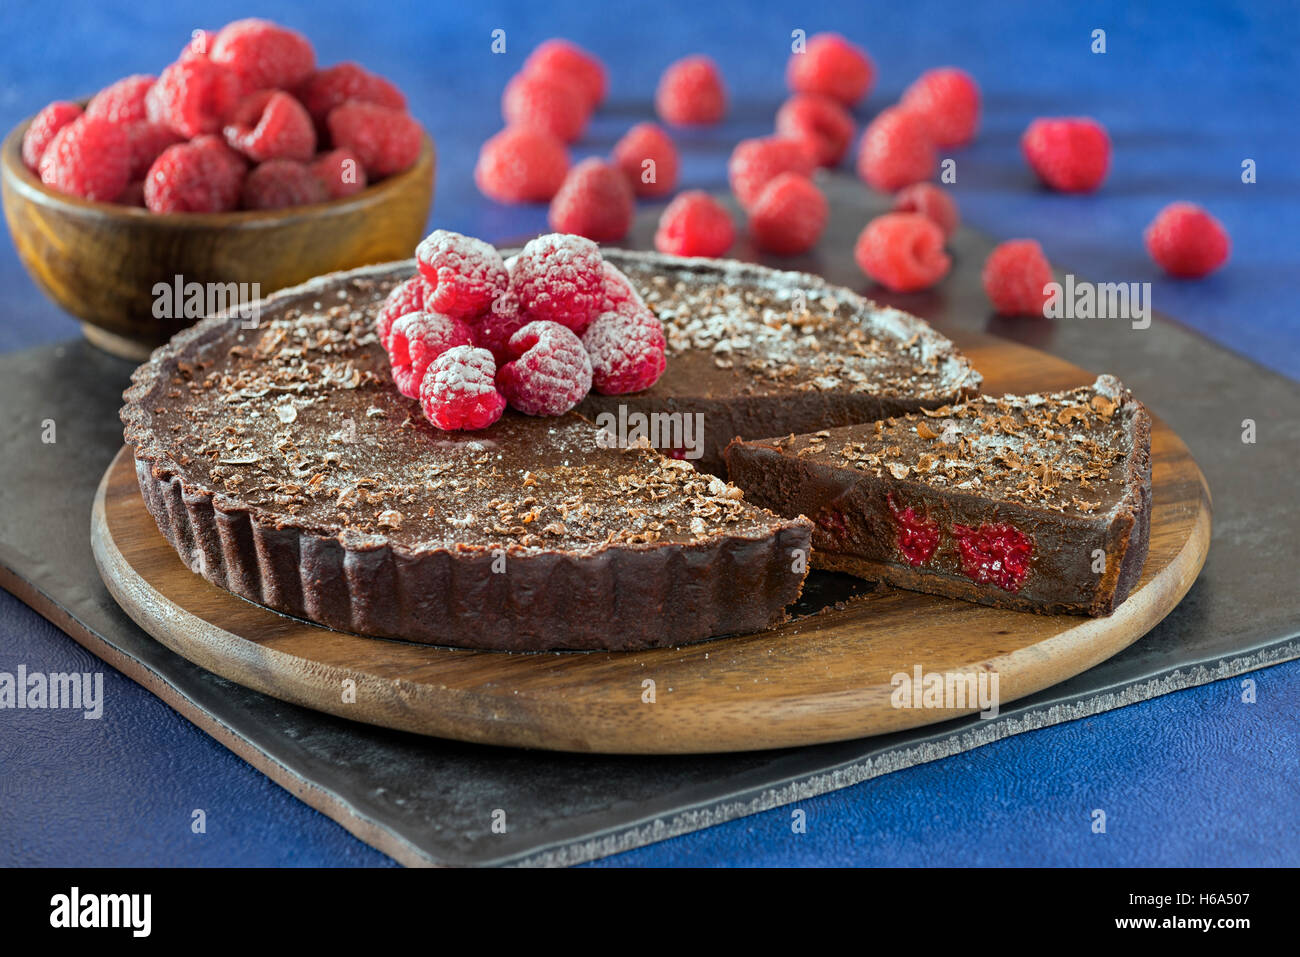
(1039, 502)
(757, 351)
(282, 464)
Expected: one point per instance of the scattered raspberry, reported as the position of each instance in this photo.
(263, 55)
(333, 86)
(949, 102)
(918, 536)
(560, 278)
(147, 141)
(551, 102)
(551, 372)
(406, 297)
(193, 96)
(44, 125)
(90, 158)
(521, 166)
(695, 224)
(648, 158)
(619, 292)
(465, 274)
(340, 172)
(270, 124)
(789, 216)
(493, 330)
(932, 202)
(458, 391)
(560, 57)
(754, 163)
(123, 101)
(595, 201)
(831, 66)
(626, 350)
(902, 251)
(995, 554)
(387, 140)
(415, 340)
(1186, 241)
(821, 123)
(200, 44)
(279, 183)
(691, 93)
(201, 176)
(896, 150)
(1014, 276)
(1071, 154)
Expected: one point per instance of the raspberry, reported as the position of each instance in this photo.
(821, 123)
(832, 66)
(626, 350)
(90, 158)
(406, 297)
(550, 373)
(902, 251)
(270, 124)
(619, 292)
(44, 125)
(521, 166)
(695, 224)
(201, 176)
(263, 55)
(199, 46)
(896, 150)
(1071, 154)
(562, 58)
(386, 140)
(932, 202)
(648, 158)
(789, 216)
(1014, 276)
(123, 101)
(464, 274)
(458, 391)
(560, 278)
(340, 172)
(493, 330)
(133, 195)
(756, 162)
(1186, 241)
(995, 554)
(691, 93)
(333, 86)
(595, 201)
(949, 102)
(193, 96)
(280, 183)
(918, 536)
(147, 141)
(552, 102)
(415, 340)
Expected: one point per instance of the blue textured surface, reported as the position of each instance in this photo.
(1192, 778)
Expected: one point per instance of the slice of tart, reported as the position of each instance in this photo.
(1037, 502)
(754, 351)
(283, 465)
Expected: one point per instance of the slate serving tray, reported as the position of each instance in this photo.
(430, 802)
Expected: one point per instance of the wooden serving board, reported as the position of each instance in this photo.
(822, 677)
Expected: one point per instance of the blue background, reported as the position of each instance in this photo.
(1187, 92)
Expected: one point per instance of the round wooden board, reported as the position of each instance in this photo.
(824, 677)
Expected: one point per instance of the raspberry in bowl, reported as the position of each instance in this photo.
(242, 168)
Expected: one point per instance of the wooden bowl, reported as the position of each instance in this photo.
(101, 261)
